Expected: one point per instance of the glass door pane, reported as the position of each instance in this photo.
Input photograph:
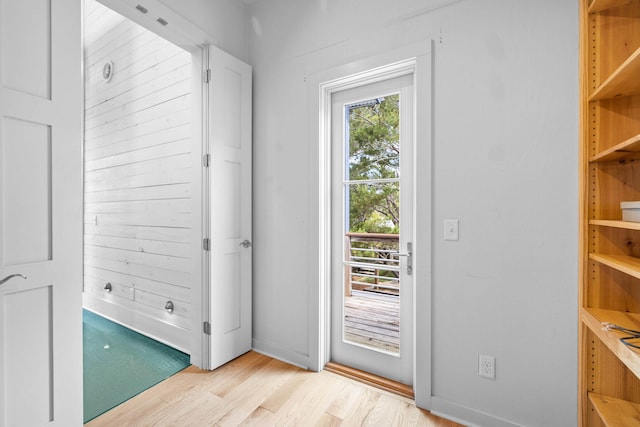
(372, 224)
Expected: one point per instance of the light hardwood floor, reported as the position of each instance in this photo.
(256, 390)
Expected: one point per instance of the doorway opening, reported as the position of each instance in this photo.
(142, 205)
(137, 177)
(198, 242)
(413, 63)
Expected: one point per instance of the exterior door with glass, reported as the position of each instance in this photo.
(372, 198)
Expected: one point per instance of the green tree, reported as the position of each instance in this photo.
(374, 153)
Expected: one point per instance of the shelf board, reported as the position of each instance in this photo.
(615, 412)
(616, 224)
(624, 263)
(626, 150)
(600, 5)
(593, 318)
(622, 82)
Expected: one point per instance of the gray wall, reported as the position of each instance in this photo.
(505, 164)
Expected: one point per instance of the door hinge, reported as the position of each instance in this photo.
(206, 244)
(206, 328)
(207, 75)
(206, 160)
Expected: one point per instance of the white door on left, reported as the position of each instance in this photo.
(230, 206)
(40, 213)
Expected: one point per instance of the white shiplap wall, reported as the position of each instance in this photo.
(137, 177)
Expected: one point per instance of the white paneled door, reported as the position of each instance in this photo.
(229, 206)
(40, 213)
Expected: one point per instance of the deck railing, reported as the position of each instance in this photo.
(372, 263)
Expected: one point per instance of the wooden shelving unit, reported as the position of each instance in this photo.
(610, 248)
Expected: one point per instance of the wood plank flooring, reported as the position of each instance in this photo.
(256, 390)
(373, 319)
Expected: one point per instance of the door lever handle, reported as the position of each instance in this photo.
(409, 255)
(11, 276)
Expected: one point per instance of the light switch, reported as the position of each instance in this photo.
(450, 229)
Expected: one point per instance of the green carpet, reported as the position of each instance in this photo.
(120, 363)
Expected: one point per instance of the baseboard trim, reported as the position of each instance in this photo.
(281, 353)
(466, 416)
(371, 379)
(165, 333)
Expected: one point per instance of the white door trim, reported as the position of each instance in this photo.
(416, 60)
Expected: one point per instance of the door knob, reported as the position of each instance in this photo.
(246, 244)
(11, 276)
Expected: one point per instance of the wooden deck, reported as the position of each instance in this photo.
(373, 319)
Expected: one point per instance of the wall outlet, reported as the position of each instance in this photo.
(132, 294)
(487, 366)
